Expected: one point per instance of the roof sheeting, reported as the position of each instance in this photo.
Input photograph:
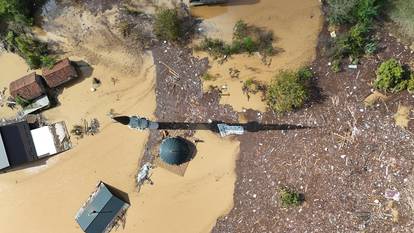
(28, 87)
(62, 72)
(18, 143)
(99, 212)
(44, 141)
(4, 161)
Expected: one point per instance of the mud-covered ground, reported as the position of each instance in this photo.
(342, 178)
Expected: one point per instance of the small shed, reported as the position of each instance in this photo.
(174, 151)
(62, 72)
(102, 210)
(28, 87)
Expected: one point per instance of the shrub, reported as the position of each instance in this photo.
(287, 91)
(209, 77)
(390, 76)
(340, 11)
(410, 84)
(167, 24)
(245, 39)
(289, 197)
(22, 101)
(251, 86)
(33, 51)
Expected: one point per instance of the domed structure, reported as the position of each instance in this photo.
(174, 151)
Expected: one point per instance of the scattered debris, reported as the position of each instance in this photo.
(226, 130)
(96, 83)
(374, 98)
(401, 117)
(144, 174)
(86, 128)
(392, 194)
(234, 73)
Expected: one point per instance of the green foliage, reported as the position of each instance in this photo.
(288, 91)
(289, 197)
(340, 11)
(246, 39)
(390, 76)
(17, 11)
(252, 86)
(305, 73)
(209, 77)
(410, 84)
(402, 12)
(357, 41)
(33, 51)
(22, 101)
(240, 30)
(167, 25)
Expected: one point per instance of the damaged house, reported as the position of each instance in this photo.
(20, 145)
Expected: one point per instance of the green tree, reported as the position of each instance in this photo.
(167, 24)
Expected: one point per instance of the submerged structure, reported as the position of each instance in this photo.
(28, 87)
(174, 151)
(102, 210)
(62, 72)
(206, 2)
(136, 122)
(19, 144)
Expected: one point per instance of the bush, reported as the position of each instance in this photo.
(167, 25)
(340, 11)
(390, 76)
(288, 91)
(209, 77)
(22, 101)
(245, 39)
(33, 51)
(289, 197)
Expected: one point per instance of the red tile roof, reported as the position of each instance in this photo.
(62, 72)
(28, 87)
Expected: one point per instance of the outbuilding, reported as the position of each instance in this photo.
(62, 72)
(101, 211)
(28, 87)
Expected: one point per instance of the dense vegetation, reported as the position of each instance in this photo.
(246, 39)
(358, 16)
(16, 18)
(167, 24)
(392, 77)
(289, 90)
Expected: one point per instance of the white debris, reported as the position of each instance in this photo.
(392, 194)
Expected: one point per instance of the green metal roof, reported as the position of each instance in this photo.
(174, 151)
(100, 210)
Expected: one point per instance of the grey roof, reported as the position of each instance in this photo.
(174, 151)
(98, 214)
(18, 143)
(4, 161)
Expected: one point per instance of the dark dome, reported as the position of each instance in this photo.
(174, 151)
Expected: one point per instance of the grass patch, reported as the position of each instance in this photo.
(252, 86)
(209, 77)
(289, 90)
(246, 39)
(402, 13)
(289, 197)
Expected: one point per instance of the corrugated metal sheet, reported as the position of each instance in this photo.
(28, 87)
(62, 72)
(4, 161)
(100, 210)
(18, 143)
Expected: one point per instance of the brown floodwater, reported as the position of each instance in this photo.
(295, 23)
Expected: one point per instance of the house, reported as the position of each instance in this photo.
(20, 145)
(28, 87)
(62, 72)
(102, 210)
